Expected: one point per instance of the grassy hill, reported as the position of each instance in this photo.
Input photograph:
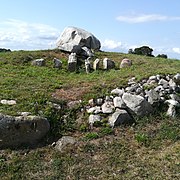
(149, 150)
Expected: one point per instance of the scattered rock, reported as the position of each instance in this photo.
(57, 63)
(153, 97)
(125, 63)
(172, 107)
(107, 108)
(64, 142)
(39, 62)
(8, 102)
(120, 117)
(119, 103)
(117, 91)
(177, 78)
(93, 119)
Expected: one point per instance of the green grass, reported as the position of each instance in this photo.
(149, 150)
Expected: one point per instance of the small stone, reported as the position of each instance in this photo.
(107, 107)
(117, 91)
(62, 143)
(118, 102)
(93, 119)
(39, 62)
(57, 63)
(8, 102)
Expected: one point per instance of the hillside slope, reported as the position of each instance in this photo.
(148, 150)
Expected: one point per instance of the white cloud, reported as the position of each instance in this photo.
(111, 44)
(15, 34)
(176, 50)
(142, 18)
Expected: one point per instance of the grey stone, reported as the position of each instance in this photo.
(72, 62)
(94, 118)
(117, 91)
(57, 63)
(108, 64)
(125, 63)
(87, 66)
(172, 107)
(107, 107)
(73, 36)
(153, 78)
(86, 52)
(39, 62)
(94, 110)
(164, 83)
(137, 104)
(65, 141)
(177, 78)
(153, 97)
(120, 117)
(17, 131)
(99, 101)
(118, 102)
(175, 97)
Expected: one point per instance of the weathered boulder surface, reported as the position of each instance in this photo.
(22, 130)
(75, 37)
(137, 104)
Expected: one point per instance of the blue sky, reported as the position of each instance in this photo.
(118, 24)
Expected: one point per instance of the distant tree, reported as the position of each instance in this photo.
(130, 51)
(162, 56)
(144, 50)
(4, 50)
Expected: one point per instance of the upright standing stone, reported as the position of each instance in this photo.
(87, 65)
(108, 64)
(72, 62)
(96, 64)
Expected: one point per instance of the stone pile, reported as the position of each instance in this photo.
(137, 99)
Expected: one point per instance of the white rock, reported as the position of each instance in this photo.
(8, 102)
(107, 107)
(73, 36)
(118, 102)
(118, 91)
(94, 118)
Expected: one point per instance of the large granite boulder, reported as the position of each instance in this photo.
(76, 38)
(22, 130)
